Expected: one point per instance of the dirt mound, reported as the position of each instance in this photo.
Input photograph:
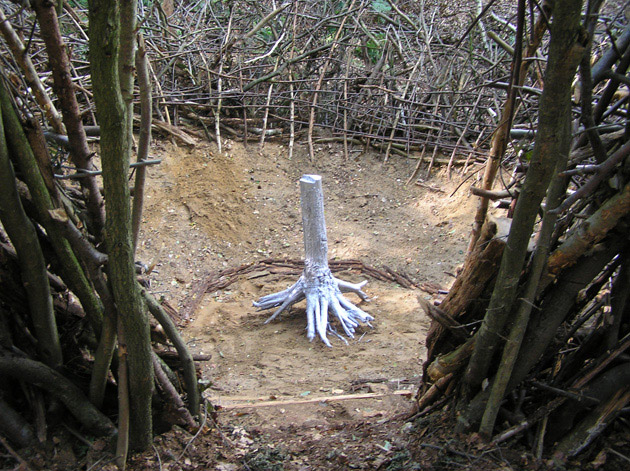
(209, 187)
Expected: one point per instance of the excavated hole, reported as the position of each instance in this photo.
(246, 209)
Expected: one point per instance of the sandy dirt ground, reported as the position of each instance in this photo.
(208, 211)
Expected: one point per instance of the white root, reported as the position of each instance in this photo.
(323, 292)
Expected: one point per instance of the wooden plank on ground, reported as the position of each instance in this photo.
(224, 404)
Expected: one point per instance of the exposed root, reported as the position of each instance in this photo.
(323, 293)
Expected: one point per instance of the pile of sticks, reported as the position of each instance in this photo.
(530, 345)
(397, 76)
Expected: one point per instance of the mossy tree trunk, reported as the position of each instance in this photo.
(113, 115)
(32, 264)
(69, 266)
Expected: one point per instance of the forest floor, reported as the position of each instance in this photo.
(284, 402)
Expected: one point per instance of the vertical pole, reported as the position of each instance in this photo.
(313, 222)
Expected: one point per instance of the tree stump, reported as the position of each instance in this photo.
(323, 292)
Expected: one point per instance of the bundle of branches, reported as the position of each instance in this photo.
(535, 331)
(75, 330)
(378, 72)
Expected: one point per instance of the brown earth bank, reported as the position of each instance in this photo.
(208, 211)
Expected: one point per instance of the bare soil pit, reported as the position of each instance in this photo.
(207, 211)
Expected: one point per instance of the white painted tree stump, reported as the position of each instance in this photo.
(323, 292)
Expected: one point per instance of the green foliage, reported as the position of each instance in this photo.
(374, 48)
(266, 34)
(82, 4)
(381, 6)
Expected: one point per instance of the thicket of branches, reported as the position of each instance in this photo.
(383, 73)
(390, 74)
(74, 316)
(530, 343)
(532, 338)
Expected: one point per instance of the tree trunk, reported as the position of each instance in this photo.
(317, 284)
(115, 149)
(32, 263)
(527, 300)
(564, 55)
(144, 84)
(30, 74)
(479, 270)
(65, 90)
(501, 135)
(187, 363)
(542, 328)
(13, 425)
(70, 268)
(56, 384)
(594, 229)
